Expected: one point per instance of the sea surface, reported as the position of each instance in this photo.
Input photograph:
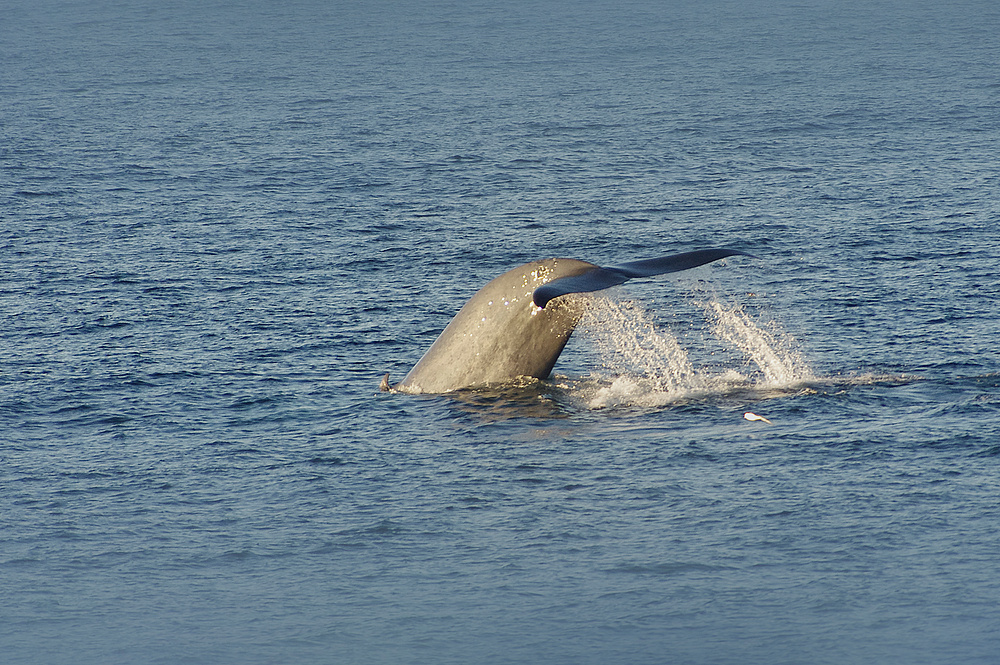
(221, 223)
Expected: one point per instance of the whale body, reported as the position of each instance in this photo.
(519, 323)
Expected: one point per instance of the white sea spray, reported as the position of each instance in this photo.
(645, 364)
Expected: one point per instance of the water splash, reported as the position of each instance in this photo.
(644, 364)
(772, 350)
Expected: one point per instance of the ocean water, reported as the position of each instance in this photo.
(220, 225)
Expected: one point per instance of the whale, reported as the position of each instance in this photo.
(516, 325)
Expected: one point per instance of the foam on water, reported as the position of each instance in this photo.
(644, 364)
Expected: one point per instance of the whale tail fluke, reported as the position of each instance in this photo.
(677, 262)
(601, 278)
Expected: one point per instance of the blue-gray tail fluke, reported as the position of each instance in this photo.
(602, 278)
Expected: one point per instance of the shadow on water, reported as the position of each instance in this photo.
(521, 399)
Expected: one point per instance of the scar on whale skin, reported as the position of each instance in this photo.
(518, 324)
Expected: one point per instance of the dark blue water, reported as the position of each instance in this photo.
(220, 226)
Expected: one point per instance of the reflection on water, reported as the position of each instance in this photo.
(523, 398)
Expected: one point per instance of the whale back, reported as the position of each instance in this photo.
(499, 334)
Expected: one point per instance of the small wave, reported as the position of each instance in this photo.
(667, 568)
(31, 193)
